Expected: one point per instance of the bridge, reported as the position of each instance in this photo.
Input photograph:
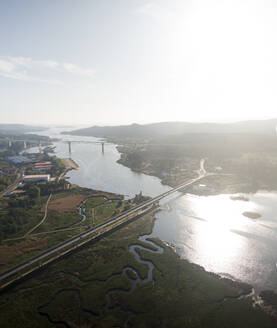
(102, 143)
(18, 272)
(10, 142)
(24, 142)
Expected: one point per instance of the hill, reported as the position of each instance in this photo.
(18, 128)
(267, 127)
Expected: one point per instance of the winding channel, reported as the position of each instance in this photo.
(134, 280)
(128, 272)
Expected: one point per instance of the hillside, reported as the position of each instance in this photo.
(18, 128)
(267, 127)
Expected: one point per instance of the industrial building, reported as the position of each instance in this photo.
(43, 166)
(36, 178)
(18, 159)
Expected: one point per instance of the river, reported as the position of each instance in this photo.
(101, 171)
(208, 230)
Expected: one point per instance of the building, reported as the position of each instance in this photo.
(18, 192)
(18, 159)
(43, 166)
(36, 178)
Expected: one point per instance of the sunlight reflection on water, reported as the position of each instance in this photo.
(213, 232)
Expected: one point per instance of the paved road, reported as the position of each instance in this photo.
(81, 237)
(13, 186)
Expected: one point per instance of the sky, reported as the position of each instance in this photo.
(110, 62)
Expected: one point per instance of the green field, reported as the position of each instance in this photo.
(60, 225)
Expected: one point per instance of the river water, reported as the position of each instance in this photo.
(208, 230)
(101, 171)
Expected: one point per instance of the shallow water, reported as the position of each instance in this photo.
(212, 232)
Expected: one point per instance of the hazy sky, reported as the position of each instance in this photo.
(124, 61)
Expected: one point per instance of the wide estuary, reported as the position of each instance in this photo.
(208, 230)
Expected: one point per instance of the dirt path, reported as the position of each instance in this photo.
(43, 219)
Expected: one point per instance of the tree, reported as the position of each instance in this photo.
(34, 192)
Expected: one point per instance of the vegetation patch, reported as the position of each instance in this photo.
(88, 289)
(9, 253)
(65, 204)
(270, 300)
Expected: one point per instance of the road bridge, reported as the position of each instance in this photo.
(101, 143)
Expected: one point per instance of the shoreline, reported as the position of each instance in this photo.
(238, 185)
(229, 190)
(246, 289)
(70, 164)
(109, 285)
(250, 291)
(200, 267)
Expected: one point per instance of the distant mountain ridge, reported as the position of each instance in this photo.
(18, 128)
(267, 127)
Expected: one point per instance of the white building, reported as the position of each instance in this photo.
(36, 177)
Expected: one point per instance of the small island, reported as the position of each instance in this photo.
(252, 215)
(240, 197)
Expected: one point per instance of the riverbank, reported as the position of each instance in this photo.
(241, 170)
(69, 164)
(104, 262)
(171, 171)
(91, 288)
(218, 183)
